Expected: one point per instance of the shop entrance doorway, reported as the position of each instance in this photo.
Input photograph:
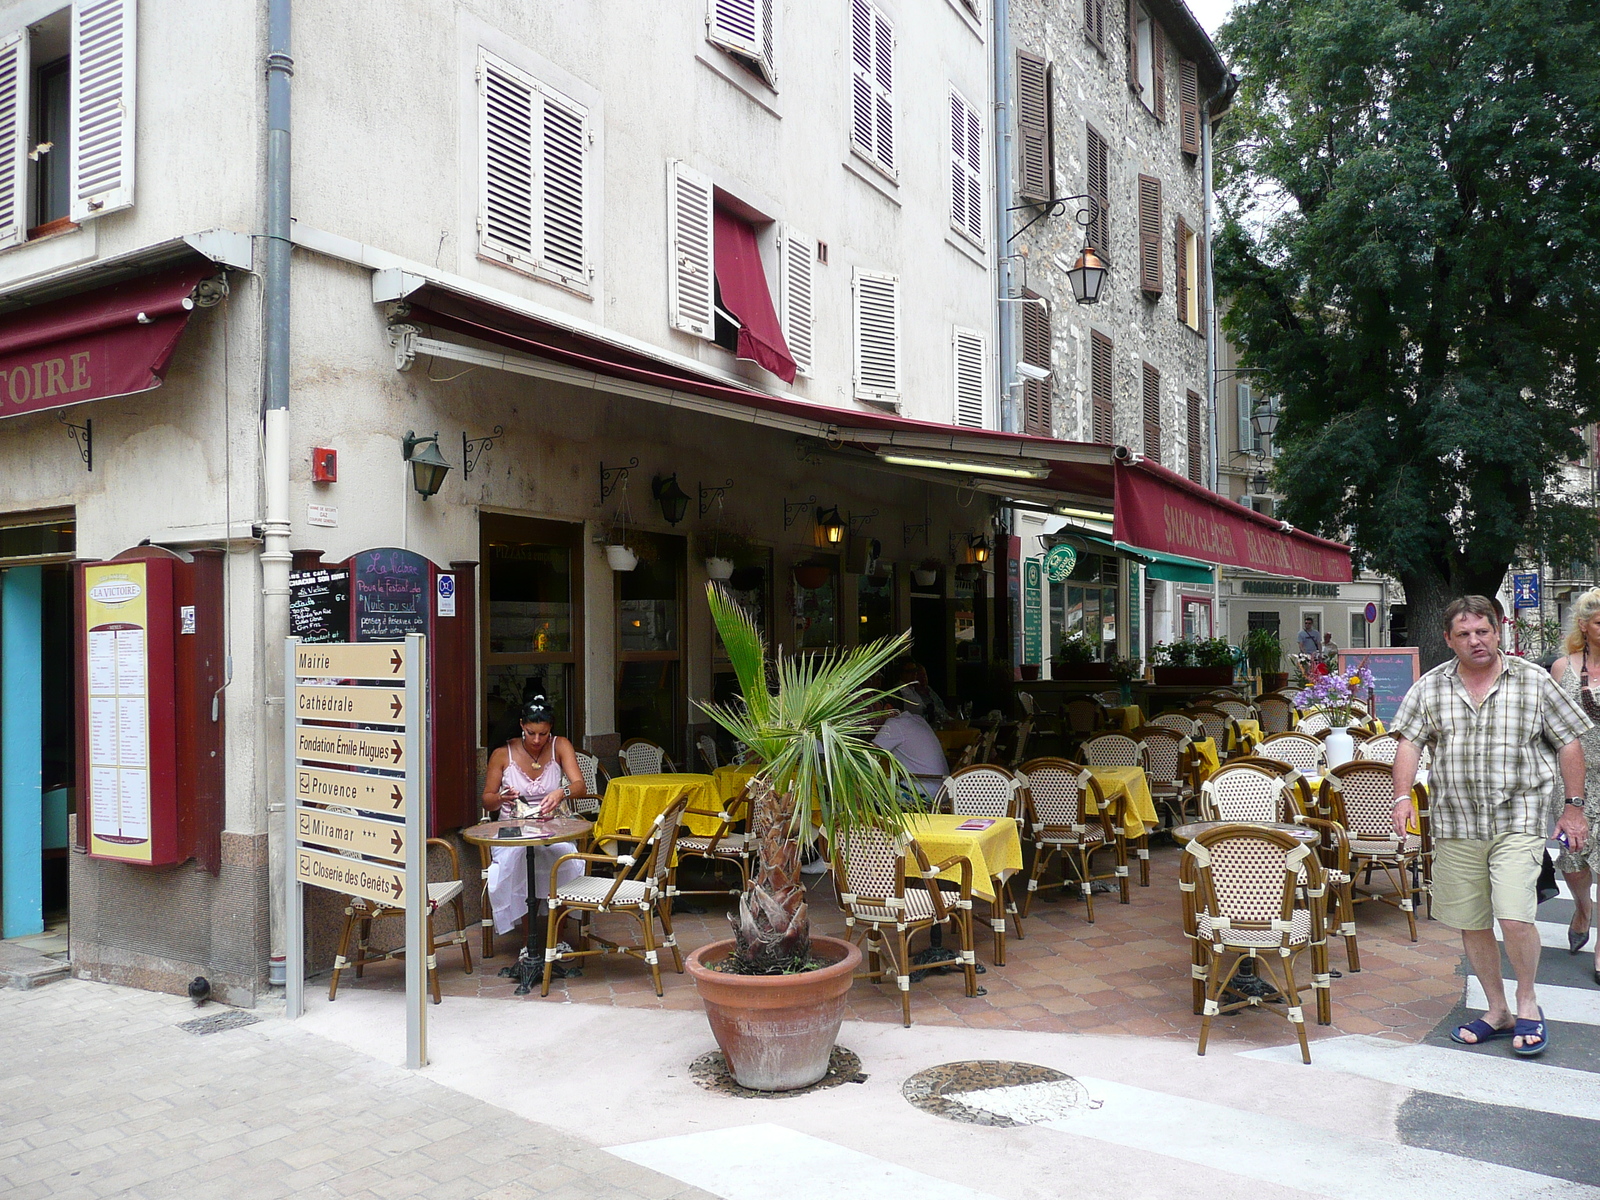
(650, 670)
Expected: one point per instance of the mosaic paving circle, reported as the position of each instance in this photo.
(993, 1092)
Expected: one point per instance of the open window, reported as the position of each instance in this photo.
(747, 31)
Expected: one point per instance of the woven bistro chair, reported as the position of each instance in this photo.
(1188, 726)
(707, 745)
(638, 887)
(1069, 817)
(1303, 753)
(1254, 893)
(1359, 796)
(1168, 769)
(1312, 722)
(361, 912)
(639, 756)
(1237, 709)
(885, 880)
(989, 791)
(1276, 713)
(1020, 749)
(986, 744)
(726, 845)
(1119, 750)
(1379, 749)
(1215, 724)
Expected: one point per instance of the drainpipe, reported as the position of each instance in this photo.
(1214, 109)
(275, 557)
(1005, 317)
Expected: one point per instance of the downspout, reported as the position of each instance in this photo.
(1005, 319)
(275, 556)
(1215, 107)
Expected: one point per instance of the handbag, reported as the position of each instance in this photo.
(1546, 888)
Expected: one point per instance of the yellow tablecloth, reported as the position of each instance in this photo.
(990, 851)
(1205, 749)
(731, 779)
(633, 802)
(957, 739)
(1250, 729)
(1130, 716)
(1139, 814)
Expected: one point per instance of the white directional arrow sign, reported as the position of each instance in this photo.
(352, 876)
(351, 661)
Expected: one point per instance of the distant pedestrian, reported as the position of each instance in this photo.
(1307, 638)
(1327, 645)
(1504, 737)
(1578, 674)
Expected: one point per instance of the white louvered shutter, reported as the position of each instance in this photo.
(872, 84)
(795, 303)
(691, 291)
(103, 75)
(769, 40)
(971, 377)
(13, 138)
(737, 25)
(564, 143)
(876, 310)
(966, 168)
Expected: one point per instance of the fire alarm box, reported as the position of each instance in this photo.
(324, 465)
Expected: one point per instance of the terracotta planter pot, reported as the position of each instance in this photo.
(1030, 671)
(776, 1031)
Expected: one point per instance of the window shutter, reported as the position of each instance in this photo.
(872, 84)
(690, 287)
(1197, 458)
(1036, 393)
(877, 336)
(1180, 290)
(1098, 186)
(1033, 128)
(795, 304)
(1133, 43)
(737, 25)
(1158, 71)
(1152, 412)
(1150, 235)
(769, 41)
(1094, 21)
(14, 138)
(971, 376)
(966, 168)
(1188, 106)
(1100, 367)
(1247, 433)
(883, 81)
(1200, 264)
(565, 142)
(506, 223)
(103, 76)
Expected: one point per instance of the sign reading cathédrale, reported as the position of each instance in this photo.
(363, 705)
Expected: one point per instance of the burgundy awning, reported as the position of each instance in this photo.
(1158, 509)
(745, 294)
(108, 342)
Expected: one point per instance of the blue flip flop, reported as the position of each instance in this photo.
(1528, 1028)
(1481, 1030)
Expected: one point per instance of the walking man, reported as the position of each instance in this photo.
(1504, 738)
(1307, 638)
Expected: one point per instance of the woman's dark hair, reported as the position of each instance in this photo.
(538, 711)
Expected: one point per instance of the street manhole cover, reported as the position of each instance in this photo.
(711, 1072)
(990, 1092)
(218, 1022)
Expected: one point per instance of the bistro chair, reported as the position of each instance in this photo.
(639, 886)
(990, 791)
(726, 845)
(1312, 722)
(1081, 716)
(1359, 796)
(986, 744)
(707, 746)
(1119, 750)
(1024, 731)
(1168, 769)
(588, 807)
(1069, 818)
(1187, 726)
(362, 912)
(1237, 709)
(1254, 893)
(1276, 713)
(639, 756)
(1110, 699)
(885, 880)
(1379, 749)
(1214, 722)
(1300, 751)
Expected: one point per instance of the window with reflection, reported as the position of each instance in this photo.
(532, 631)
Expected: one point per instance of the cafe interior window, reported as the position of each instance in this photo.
(875, 605)
(1087, 603)
(531, 635)
(1196, 619)
(650, 641)
(971, 589)
(816, 604)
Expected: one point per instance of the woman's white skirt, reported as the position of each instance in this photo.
(508, 879)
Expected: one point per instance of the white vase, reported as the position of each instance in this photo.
(1338, 747)
(621, 558)
(719, 568)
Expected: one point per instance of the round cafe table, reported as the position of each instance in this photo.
(530, 966)
(1301, 833)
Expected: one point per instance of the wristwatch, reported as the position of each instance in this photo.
(1575, 801)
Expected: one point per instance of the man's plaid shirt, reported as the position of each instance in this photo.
(1495, 767)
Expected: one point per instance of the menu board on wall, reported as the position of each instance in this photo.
(128, 686)
(1394, 670)
(319, 605)
(1032, 611)
(391, 594)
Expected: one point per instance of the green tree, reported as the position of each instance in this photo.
(1411, 241)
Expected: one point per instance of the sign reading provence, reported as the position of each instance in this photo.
(355, 747)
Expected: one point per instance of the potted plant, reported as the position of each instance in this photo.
(926, 572)
(1075, 659)
(1335, 694)
(813, 575)
(723, 546)
(1207, 663)
(1265, 652)
(773, 993)
(1125, 671)
(619, 555)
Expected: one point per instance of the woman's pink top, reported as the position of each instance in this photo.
(526, 789)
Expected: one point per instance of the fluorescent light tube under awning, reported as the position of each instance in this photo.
(1022, 468)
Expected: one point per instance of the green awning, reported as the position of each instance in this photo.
(1169, 567)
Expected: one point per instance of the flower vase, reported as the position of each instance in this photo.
(1127, 693)
(1338, 747)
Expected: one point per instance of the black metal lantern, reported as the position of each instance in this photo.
(428, 466)
(673, 499)
(830, 525)
(978, 548)
(1088, 276)
(1265, 419)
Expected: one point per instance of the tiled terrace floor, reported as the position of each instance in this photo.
(1126, 974)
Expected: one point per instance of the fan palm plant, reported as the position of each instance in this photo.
(809, 718)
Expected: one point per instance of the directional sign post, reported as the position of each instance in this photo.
(377, 852)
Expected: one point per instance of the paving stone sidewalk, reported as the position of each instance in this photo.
(102, 1094)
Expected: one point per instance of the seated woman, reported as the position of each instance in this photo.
(524, 782)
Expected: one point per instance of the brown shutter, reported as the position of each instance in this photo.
(1133, 43)
(1094, 22)
(1151, 388)
(1200, 283)
(1036, 393)
(1098, 185)
(1158, 71)
(1100, 365)
(1188, 107)
(1033, 127)
(1196, 451)
(1180, 290)
(1150, 235)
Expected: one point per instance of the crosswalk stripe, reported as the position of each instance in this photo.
(1578, 1005)
(1448, 1072)
(1288, 1152)
(1552, 936)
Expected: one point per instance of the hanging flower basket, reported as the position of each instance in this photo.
(719, 568)
(620, 558)
(812, 576)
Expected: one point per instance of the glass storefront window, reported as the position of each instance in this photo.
(532, 639)
(875, 607)
(816, 608)
(35, 541)
(512, 686)
(530, 598)
(648, 608)
(1087, 604)
(647, 701)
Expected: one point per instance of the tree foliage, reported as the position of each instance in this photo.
(1411, 241)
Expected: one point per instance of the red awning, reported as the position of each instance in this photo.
(744, 293)
(108, 342)
(1158, 509)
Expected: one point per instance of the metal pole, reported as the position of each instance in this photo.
(294, 946)
(417, 962)
(1212, 325)
(1005, 317)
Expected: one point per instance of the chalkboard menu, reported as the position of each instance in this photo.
(1394, 670)
(319, 605)
(392, 594)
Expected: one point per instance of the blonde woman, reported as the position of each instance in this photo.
(1578, 670)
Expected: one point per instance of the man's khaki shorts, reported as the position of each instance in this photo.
(1476, 883)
